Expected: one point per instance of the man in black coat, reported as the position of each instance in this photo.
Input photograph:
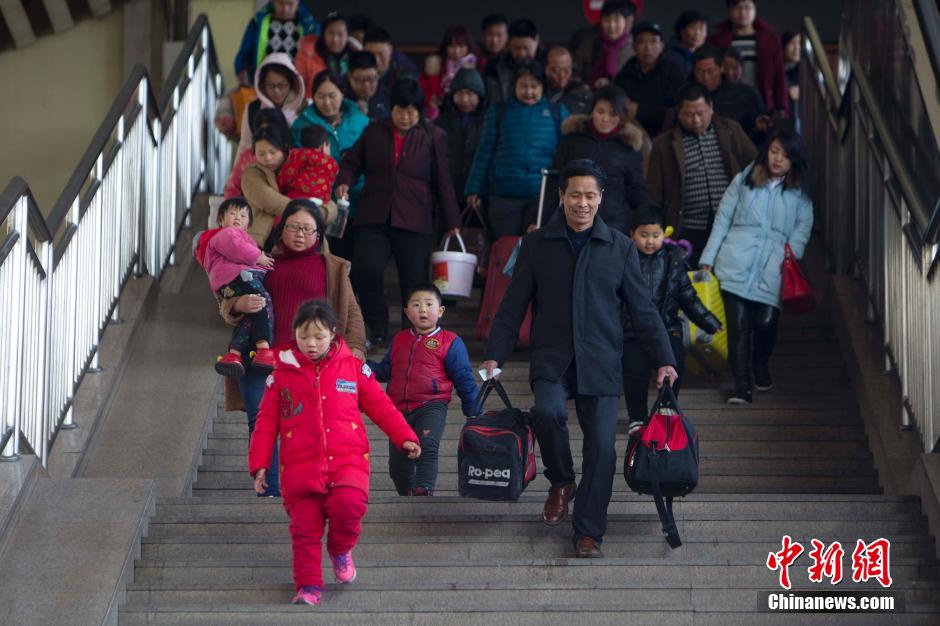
(650, 80)
(579, 275)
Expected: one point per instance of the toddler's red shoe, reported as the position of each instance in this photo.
(264, 359)
(230, 364)
(343, 567)
(308, 595)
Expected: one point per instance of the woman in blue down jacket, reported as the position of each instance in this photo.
(519, 139)
(765, 207)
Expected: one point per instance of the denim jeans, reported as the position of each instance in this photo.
(251, 386)
(428, 423)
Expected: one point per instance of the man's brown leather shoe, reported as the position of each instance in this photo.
(587, 548)
(556, 506)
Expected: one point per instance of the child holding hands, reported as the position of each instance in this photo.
(312, 402)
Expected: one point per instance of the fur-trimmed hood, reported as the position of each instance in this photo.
(631, 134)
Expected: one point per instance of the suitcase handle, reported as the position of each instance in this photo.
(487, 387)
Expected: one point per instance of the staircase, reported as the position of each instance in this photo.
(796, 462)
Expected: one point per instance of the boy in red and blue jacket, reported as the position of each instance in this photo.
(422, 367)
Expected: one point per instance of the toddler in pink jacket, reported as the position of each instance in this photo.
(236, 267)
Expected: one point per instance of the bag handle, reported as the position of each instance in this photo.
(488, 386)
(470, 210)
(446, 242)
(666, 399)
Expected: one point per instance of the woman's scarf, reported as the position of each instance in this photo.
(606, 64)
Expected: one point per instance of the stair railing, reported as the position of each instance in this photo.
(61, 276)
(878, 192)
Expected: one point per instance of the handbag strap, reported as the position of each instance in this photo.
(663, 505)
(488, 386)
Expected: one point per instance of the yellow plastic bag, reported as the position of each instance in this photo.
(704, 352)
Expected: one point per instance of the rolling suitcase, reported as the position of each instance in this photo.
(706, 353)
(498, 277)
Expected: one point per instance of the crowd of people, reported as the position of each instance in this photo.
(349, 156)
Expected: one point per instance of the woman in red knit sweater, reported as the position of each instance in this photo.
(301, 273)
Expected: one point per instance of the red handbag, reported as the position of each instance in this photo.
(796, 294)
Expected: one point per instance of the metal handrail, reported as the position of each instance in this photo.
(120, 212)
(874, 223)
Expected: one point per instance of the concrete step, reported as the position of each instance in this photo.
(500, 572)
(541, 596)
(525, 525)
(583, 614)
(710, 465)
(472, 549)
(702, 507)
(234, 445)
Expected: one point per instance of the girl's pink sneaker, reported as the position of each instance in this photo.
(343, 567)
(308, 595)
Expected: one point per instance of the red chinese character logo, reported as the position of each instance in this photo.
(872, 561)
(783, 559)
(826, 563)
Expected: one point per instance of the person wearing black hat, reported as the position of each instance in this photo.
(462, 120)
(651, 82)
(579, 275)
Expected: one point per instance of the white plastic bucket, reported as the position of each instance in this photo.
(452, 272)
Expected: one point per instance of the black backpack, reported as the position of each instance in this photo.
(496, 457)
(662, 459)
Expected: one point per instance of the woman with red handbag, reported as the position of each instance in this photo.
(765, 210)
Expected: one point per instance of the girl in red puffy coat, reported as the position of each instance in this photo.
(312, 402)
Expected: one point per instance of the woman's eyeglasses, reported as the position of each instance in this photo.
(296, 228)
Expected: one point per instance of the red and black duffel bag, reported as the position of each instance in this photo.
(662, 459)
(496, 457)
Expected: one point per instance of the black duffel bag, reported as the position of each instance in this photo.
(662, 459)
(496, 457)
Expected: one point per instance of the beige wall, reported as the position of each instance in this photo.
(56, 93)
(227, 19)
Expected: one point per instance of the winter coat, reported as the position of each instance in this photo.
(261, 190)
(233, 186)
(426, 368)
(308, 62)
(665, 181)
(342, 137)
(621, 160)
(500, 76)
(230, 251)
(586, 47)
(308, 173)
(666, 275)
(576, 307)
(402, 194)
(576, 96)
(313, 407)
(746, 245)
(680, 56)
(255, 39)
(654, 92)
(339, 294)
(518, 141)
(771, 81)
(294, 104)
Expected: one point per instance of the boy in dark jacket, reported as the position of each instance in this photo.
(667, 276)
(422, 367)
